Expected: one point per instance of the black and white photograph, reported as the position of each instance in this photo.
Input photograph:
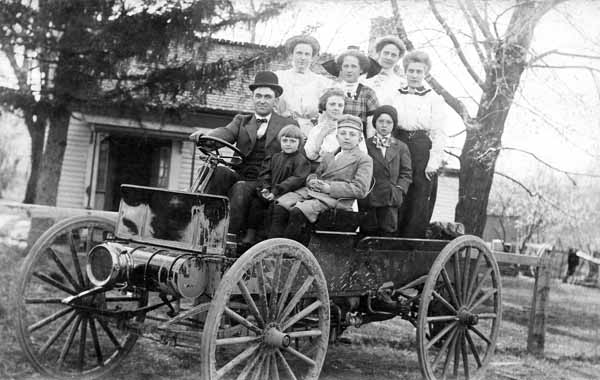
(299, 189)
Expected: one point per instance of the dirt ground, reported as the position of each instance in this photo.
(384, 350)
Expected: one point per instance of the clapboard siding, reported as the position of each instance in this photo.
(185, 165)
(71, 186)
(447, 198)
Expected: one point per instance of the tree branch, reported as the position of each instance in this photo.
(459, 107)
(456, 44)
(483, 26)
(562, 53)
(480, 53)
(582, 67)
(533, 194)
(565, 172)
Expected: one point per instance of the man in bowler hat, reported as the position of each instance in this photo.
(255, 135)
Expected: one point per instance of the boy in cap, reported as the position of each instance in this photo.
(340, 179)
(392, 173)
(285, 171)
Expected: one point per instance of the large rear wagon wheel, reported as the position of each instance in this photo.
(460, 311)
(68, 341)
(269, 318)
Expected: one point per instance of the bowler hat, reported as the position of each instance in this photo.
(350, 121)
(267, 79)
(367, 64)
(291, 43)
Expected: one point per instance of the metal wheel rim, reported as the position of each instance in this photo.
(451, 348)
(261, 359)
(72, 324)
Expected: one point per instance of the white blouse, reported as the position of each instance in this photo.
(427, 112)
(300, 98)
(385, 84)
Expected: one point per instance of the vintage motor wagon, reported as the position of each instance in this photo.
(167, 271)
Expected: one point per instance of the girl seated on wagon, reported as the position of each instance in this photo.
(322, 138)
(340, 179)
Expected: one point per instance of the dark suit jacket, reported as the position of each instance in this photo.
(242, 132)
(392, 173)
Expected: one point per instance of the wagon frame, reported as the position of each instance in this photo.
(269, 313)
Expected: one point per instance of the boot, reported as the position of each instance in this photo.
(297, 226)
(279, 219)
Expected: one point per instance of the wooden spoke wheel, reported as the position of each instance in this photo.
(269, 318)
(460, 311)
(64, 340)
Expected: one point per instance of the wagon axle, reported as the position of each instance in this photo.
(467, 318)
(275, 338)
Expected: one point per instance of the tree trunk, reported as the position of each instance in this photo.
(474, 182)
(51, 166)
(480, 152)
(37, 131)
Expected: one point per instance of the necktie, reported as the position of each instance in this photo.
(382, 142)
(262, 127)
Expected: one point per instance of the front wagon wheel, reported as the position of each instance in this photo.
(460, 311)
(269, 318)
(69, 341)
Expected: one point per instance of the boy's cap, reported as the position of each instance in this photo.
(350, 121)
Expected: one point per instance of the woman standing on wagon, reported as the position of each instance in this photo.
(301, 87)
(421, 121)
(389, 50)
(360, 100)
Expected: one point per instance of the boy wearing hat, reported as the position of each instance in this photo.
(392, 174)
(301, 87)
(340, 179)
(389, 50)
(255, 135)
(360, 100)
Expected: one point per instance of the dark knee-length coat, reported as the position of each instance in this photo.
(392, 173)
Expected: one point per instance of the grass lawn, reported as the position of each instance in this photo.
(384, 350)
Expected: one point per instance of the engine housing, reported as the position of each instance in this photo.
(158, 269)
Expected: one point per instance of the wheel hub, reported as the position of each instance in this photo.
(467, 318)
(275, 338)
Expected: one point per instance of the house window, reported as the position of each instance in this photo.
(164, 161)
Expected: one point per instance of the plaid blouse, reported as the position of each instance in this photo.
(362, 104)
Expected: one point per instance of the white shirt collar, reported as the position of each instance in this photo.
(268, 117)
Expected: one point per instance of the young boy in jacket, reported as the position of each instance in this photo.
(339, 180)
(392, 174)
(284, 172)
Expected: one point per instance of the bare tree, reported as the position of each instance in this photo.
(502, 54)
(71, 55)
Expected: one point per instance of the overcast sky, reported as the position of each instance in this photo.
(556, 114)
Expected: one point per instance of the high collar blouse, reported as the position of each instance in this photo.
(385, 84)
(424, 110)
(301, 92)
